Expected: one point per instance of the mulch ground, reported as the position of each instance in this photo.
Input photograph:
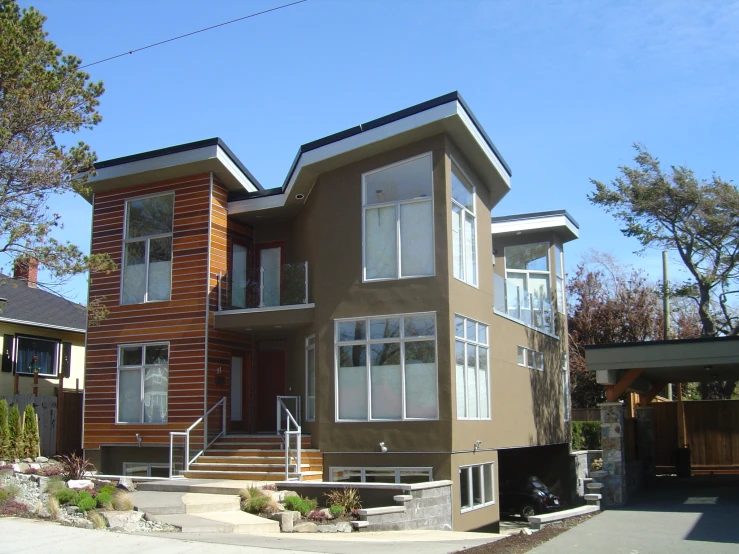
(518, 544)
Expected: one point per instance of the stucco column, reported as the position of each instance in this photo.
(612, 441)
(645, 440)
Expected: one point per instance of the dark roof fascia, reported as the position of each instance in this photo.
(659, 342)
(176, 150)
(390, 118)
(235, 196)
(534, 215)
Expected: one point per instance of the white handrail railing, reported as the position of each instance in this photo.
(186, 433)
(292, 428)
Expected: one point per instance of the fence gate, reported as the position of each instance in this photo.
(46, 408)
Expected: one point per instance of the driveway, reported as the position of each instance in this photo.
(700, 514)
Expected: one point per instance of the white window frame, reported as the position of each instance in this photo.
(532, 359)
(147, 240)
(363, 471)
(559, 279)
(367, 342)
(141, 368)
(310, 350)
(462, 176)
(529, 272)
(464, 340)
(16, 351)
(566, 400)
(470, 490)
(148, 466)
(397, 204)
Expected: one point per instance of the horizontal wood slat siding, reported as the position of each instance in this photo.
(180, 321)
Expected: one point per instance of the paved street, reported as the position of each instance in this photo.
(23, 536)
(698, 516)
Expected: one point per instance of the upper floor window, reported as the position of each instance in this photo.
(147, 249)
(398, 220)
(464, 242)
(386, 368)
(471, 354)
(559, 270)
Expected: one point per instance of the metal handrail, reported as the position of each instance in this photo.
(186, 434)
(287, 433)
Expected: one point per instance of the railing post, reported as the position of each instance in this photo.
(261, 287)
(518, 304)
(306, 282)
(220, 293)
(223, 416)
(171, 437)
(187, 450)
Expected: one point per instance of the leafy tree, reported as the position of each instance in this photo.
(16, 433)
(4, 430)
(43, 95)
(30, 433)
(698, 218)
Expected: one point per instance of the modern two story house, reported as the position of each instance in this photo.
(370, 300)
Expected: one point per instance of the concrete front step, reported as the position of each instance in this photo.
(251, 467)
(254, 459)
(221, 522)
(170, 503)
(237, 451)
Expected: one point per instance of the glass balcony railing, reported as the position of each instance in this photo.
(529, 308)
(264, 287)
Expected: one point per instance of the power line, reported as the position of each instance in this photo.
(193, 33)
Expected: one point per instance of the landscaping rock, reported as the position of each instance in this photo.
(325, 512)
(285, 519)
(6, 472)
(22, 467)
(305, 527)
(80, 484)
(71, 510)
(344, 527)
(28, 460)
(41, 459)
(16, 466)
(128, 521)
(327, 529)
(34, 466)
(126, 483)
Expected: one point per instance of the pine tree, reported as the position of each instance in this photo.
(4, 431)
(30, 433)
(16, 433)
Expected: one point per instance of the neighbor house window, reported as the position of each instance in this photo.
(386, 368)
(559, 271)
(147, 249)
(310, 379)
(36, 355)
(407, 475)
(471, 353)
(530, 358)
(143, 379)
(398, 220)
(476, 486)
(464, 242)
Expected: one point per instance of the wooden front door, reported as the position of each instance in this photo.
(270, 383)
(240, 373)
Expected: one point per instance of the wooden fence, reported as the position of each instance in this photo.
(55, 436)
(712, 435)
(585, 414)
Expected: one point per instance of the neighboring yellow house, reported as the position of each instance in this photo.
(42, 332)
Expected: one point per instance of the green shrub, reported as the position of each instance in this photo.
(110, 489)
(66, 496)
(256, 504)
(4, 495)
(302, 505)
(16, 433)
(586, 435)
(346, 498)
(85, 501)
(54, 484)
(30, 433)
(337, 511)
(104, 499)
(4, 430)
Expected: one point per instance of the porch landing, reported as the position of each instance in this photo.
(203, 486)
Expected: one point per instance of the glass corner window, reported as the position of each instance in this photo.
(464, 240)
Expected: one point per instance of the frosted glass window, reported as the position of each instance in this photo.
(143, 383)
(464, 240)
(129, 396)
(270, 262)
(389, 373)
(472, 369)
(461, 381)
(238, 277)
(147, 250)
(398, 221)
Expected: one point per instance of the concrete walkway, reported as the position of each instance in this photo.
(676, 517)
(24, 536)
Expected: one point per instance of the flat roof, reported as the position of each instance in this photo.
(558, 221)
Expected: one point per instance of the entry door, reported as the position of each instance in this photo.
(240, 392)
(270, 265)
(270, 369)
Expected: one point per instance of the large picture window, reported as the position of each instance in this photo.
(398, 220)
(471, 354)
(147, 249)
(464, 242)
(143, 382)
(476, 486)
(386, 368)
(36, 355)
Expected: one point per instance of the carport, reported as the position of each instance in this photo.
(651, 437)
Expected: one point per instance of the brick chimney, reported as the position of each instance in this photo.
(26, 269)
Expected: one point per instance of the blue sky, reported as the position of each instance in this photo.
(562, 88)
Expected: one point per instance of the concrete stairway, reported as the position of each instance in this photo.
(254, 458)
(201, 513)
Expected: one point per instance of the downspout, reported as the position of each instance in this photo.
(207, 311)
